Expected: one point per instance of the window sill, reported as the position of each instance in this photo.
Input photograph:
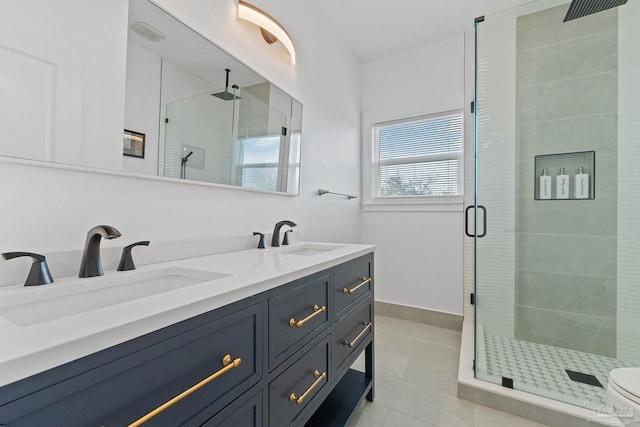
(435, 204)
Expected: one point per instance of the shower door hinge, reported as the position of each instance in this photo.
(473, 299)
(284, 131)
(166, 120)
(473, 107)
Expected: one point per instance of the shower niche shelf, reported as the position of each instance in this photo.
(571, 163)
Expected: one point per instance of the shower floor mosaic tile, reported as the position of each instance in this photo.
(541, 369)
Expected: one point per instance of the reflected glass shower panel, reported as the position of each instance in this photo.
(198, 138)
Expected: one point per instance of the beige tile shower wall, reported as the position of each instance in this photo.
(628, 317)
(567, 101)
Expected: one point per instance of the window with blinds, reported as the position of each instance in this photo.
(419, 156)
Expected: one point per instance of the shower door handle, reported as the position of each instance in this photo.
(484, 221)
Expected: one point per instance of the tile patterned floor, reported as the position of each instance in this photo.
(540, 369)
(416, 381)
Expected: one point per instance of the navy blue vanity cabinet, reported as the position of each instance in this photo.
(295, 343)
(297, 315)
(121, 391)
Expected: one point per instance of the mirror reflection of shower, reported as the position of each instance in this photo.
(183, 166)
(248, 137)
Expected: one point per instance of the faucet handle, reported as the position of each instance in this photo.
(39, 273)
(126, 260)
(285, 239)
(261, 244)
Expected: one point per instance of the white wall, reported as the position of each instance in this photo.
(50, 210)
(82, 42)
(419, 254)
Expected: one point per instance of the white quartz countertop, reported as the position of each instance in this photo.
(28, 349)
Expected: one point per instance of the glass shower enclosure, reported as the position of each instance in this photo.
(557, 197)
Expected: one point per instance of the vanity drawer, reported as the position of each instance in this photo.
(352, 284)
(354, 330)
(296, 392)
(125, 389)
(296, 317)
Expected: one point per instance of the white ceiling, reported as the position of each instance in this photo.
(378, 28)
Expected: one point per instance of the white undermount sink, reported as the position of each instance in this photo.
(33, 305)
(310, 249)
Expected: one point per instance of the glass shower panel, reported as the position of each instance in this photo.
(554, 105)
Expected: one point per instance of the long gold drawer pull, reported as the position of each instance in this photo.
(316, 310)
(360, 335)
(299, 400)
(228, 365)
(350, 291)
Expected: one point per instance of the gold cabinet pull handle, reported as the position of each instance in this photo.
(316, 310)
(228, 365)
(299, 400)
(350, 291)
(360, 335)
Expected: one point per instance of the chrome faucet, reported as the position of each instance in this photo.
(275, 239)
(91, 265)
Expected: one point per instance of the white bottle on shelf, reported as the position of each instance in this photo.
(582, 184)
(545, 186)
(562, 185)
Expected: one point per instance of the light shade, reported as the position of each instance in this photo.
(262, 19)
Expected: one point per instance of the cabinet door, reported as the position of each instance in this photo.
(351, 284)
(351, 333)
(299, 390)
(296, 317)
(122, 391)
(240, 414)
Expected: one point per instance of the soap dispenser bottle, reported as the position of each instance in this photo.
(562, 185)
(582, 184)
(545, 186)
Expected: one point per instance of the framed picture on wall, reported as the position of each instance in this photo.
(133, 144)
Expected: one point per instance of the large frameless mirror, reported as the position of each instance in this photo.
(185, 116)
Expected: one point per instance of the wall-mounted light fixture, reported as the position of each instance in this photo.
(271, 29)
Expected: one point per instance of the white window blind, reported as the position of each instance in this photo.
(419, 156)
(259, 163)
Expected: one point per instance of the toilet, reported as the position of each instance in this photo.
(623, 392)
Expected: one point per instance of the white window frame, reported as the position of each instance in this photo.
(372, 201)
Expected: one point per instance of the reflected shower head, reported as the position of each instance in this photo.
(225, 95)
(580, 8)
